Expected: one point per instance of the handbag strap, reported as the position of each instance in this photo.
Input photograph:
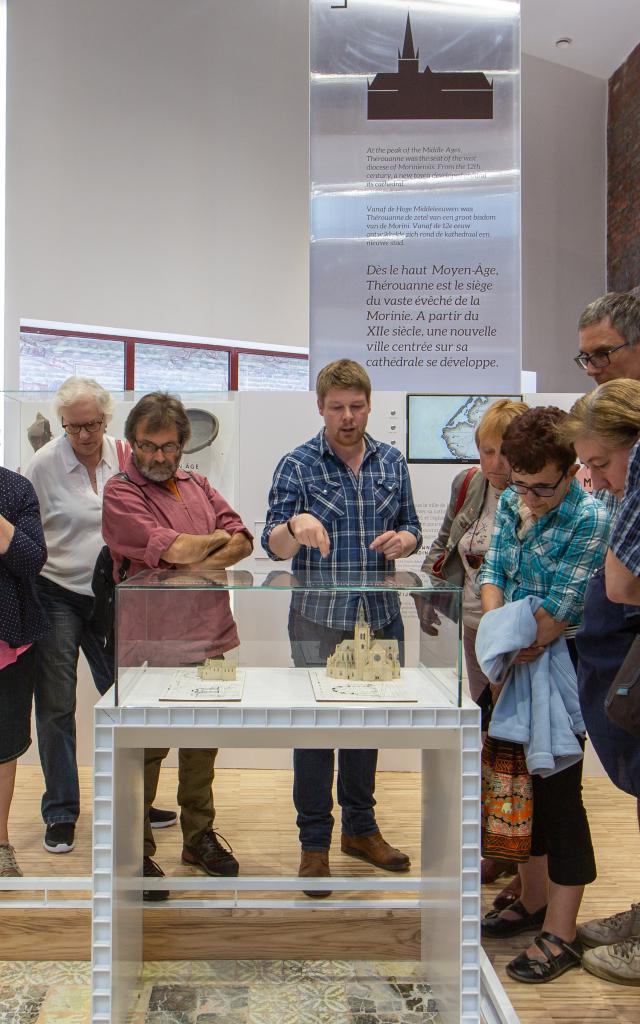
(123, 448)
(462, 493)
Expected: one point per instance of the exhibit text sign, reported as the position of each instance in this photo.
(415, 192)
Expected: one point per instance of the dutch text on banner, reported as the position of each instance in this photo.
(415, 192)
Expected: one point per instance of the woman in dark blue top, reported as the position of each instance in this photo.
(23, 552)
(605, 427)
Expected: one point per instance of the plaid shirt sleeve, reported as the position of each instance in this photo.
(286, 499)
(625, 539)
(583, 554)
(407, 516)
(492, 569)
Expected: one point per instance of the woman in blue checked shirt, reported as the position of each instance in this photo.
(549, 537)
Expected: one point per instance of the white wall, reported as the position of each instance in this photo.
(564, 115)
(158, 166)
(157, 175)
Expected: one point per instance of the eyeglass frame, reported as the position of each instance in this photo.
(73, 429)
(168, 448)
(525, 488)
(583, 358)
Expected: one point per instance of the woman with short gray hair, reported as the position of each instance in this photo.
(69, 475)
(83, 389)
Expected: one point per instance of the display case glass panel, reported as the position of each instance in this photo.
(204, 636)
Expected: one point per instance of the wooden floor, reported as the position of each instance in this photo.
(254, 812)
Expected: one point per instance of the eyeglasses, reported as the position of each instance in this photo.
(540, 490)
(91, 427)
(599, 359)
(169, 448)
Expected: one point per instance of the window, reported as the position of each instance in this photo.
(46, 360)
(49, 354)
(272, 373)
(180, 367)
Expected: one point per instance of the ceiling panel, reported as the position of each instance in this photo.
(604, 32)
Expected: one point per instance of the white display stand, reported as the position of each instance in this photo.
(447, 891)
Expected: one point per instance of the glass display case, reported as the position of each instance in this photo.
(238, 661)
(233, 636)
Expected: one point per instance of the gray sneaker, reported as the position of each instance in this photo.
(8, 863)
(619, 962)
(604, 931)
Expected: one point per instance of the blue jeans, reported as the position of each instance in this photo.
(311, 644)
(70, 631)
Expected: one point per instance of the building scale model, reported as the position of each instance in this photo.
(364, 658)
(216, 668)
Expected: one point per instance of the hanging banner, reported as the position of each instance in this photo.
(415, 192)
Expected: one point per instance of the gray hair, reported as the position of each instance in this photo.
(83, 389)
(622, 309)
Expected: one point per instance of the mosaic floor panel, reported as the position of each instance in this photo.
(228, 992)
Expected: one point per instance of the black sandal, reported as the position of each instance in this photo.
(501, 927)
(536, 972)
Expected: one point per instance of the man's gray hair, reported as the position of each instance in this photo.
(83, 389)
(622, 309)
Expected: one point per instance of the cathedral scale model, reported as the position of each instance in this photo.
(364, 658)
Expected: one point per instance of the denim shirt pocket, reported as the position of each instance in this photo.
(326, 502)
(387, 500)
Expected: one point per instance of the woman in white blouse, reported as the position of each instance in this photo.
(69, 475)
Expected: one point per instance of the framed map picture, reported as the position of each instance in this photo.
(441, 428)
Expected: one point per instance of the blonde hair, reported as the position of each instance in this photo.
(343, 374)
(498, 417)
(611, 413)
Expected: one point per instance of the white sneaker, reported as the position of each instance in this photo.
(619, 962)
(605, 931)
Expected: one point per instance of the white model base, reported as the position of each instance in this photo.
(406, 689)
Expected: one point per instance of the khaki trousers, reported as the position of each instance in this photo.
(195, 797)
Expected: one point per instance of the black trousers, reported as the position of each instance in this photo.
(560, 826)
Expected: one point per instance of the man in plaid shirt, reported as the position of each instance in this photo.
(340, 506)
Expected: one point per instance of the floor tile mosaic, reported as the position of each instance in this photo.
(229, 992)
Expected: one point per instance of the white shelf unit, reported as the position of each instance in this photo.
(447, 891)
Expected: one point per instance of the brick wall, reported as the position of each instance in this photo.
(623, 186)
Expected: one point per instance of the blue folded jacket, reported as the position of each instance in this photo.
(538, 705)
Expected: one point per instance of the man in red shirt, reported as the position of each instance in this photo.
(158, 516)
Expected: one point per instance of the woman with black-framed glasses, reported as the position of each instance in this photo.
(69, 475)
(549, 537)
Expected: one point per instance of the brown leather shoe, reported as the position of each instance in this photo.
(376, 851)
(491, 869)
(315, 864)
(509, 894)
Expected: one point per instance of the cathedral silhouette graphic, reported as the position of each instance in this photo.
(409, 94)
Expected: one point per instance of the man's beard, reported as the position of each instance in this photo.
(157, 474)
